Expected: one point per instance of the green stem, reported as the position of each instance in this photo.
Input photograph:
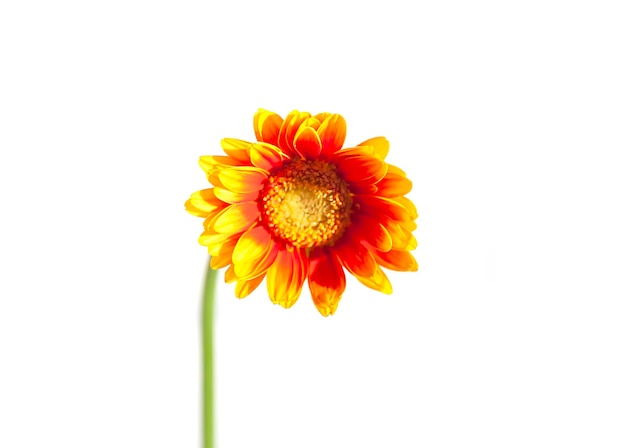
(207, 358)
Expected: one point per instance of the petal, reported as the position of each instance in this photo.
(355, 257)
(322, 116)
(289, 129)
(267, 126)
(237, 149)
(231, 197)
(371, 231)
(220, 261)
(401, 238)
(327, 281)
(332, 134)
(236, 218)
(225, 247)
(408, 205)
(286, 276)
(266, 156)
(242, 179)
(312, 122)
(229, 275)
(363, 188)
(307, 143)
(397, 260)
(214, 241)
(395, 170)
(361, 169)
(380, 146)
(244, 287)
(378, 207)
(254, 253)
(203, 202)
(209, 163)
(377, 281)
(393, 185)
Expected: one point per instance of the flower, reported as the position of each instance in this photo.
(295, 206)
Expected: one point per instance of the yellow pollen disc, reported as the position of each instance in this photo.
(306, 204)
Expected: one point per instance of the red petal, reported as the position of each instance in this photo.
(355, 257)
(361, 169)
(327, 281)
(378, 207)
(332, 134)
(307, 143)
(372, 231)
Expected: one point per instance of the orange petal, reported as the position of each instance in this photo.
(236, 218)
(377, 281)
(380, 146)
(397, 260)
(289, 129)
(229, 275)
(267, 126)
(378, 207)
(220, 261)
(225, 247)
(242, 179)
(332, 133)
(254, 253)
(409, 226)
(231, 197)
(327, 281)
(361, 169)
(401, 238)
(393, 185)
(395, 170)
(355, 151)
(214, 241)
(237, 149)
(307, 143)
(203, 202)
(244, 287)
(209, 163)
(355, 257)
(312, 122)
(266, 156)
(408, 205)
(286, 276)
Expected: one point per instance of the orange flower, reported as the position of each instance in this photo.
(295, 206)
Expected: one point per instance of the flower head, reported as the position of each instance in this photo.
(296, 206)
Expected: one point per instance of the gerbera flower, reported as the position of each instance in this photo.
(295, 206)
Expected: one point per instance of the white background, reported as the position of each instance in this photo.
(509, 117)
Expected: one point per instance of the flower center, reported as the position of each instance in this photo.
(306, 204)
